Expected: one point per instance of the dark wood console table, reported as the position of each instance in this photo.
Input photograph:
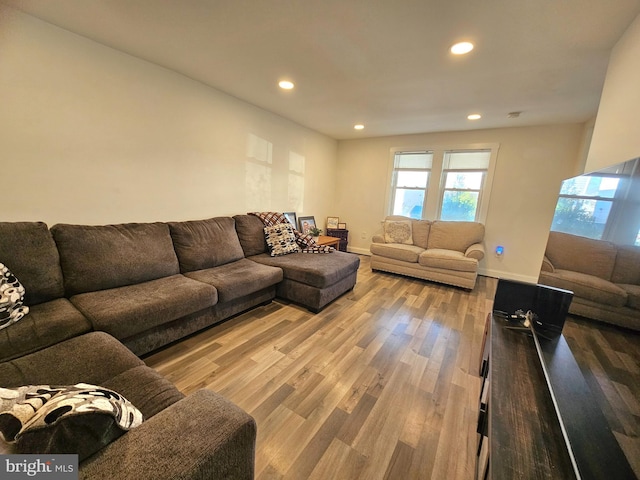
(538, 417)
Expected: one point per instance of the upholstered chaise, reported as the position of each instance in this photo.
(311, 280)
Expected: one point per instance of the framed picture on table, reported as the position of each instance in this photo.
(291, 216)
(332, 222)
(342, 226)
(306, 223)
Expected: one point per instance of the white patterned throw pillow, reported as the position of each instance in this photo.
(398, 231)
(12, 306)
(281, 239)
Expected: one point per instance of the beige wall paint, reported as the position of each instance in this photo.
(616, 135)
(92, 135)
(531, 164)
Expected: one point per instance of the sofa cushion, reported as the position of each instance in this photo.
(109, 256)
(250, 230)
(203, 244)
(581, 254)
(238, 279)
(406, 253)
(126, 311)
(456, 236)
(420, 231)
(633, 295)
(47, 324)
(319, 271)
(20, 244)
(97, 358)
(91, 358)
(626, 269)
(586, 286)
(448, 260)
(398, 231)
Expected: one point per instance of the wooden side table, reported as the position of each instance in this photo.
(328, 241)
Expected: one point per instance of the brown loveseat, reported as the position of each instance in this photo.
(444, 252)
(604, 277)
(94, 290)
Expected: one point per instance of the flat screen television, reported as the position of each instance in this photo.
(549, 305)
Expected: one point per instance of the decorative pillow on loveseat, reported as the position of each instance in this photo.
(78, 419)
(12, 306)
(398, 231)
(281, 239)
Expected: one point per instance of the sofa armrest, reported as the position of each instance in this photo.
(475, 251)
(377, 239)
(547, 266)
(202, 436)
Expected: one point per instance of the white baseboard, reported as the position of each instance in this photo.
(360, 251)
(481, 271)
(507, 275)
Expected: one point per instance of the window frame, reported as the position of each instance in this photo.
(433, 198)
(615, 201)
(394, 177)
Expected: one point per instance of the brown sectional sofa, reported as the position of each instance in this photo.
(94, 290)
(440, 251)
(604, 277)
(202, 436)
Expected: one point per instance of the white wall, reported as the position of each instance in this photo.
(616, 135)
(92, 135)
(531, 164)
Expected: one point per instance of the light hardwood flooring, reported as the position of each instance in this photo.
(383, 383)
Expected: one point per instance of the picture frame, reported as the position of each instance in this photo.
(332, 222)
(291, 216)
(306, 223)
(342, 226)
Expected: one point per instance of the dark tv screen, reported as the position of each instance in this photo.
(549, 305)
(552, 308)
(512, 296)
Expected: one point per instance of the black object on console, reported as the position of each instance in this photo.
(549, 305)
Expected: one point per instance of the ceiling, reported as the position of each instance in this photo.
(383, 63)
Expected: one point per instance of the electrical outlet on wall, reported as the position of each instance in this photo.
(363, 235)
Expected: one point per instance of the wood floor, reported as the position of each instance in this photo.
(383, 383)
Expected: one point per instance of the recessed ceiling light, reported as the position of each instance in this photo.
(461, 48)
(286, 84)
(358, 126)
(474, 116)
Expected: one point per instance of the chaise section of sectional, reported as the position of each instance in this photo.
(28, 250)
(125, 279)
(209, 251)
(311, 280)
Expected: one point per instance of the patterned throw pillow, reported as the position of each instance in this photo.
(12, 306)
(398, 231)
(77, 419)
(281, 239)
